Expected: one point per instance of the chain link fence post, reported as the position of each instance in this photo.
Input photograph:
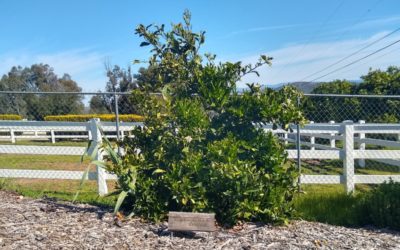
(361, 145)
(117, 120)
(298, 146)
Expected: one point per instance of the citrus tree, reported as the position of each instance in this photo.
(201, 147)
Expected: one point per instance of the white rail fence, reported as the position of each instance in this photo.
(349, 133)
(90, 128)
(13, 131)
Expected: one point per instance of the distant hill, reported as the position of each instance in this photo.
(306, 87)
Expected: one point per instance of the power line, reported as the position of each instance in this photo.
(356, 61)
(380, 56)
(352, 54)
(313, 36)
(358, 20)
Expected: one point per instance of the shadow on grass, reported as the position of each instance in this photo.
(91, 198)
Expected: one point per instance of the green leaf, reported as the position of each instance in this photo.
(99, 163)
(121, 198)
(86, 151)
(158, 171)
(83, 179)
(184, 201)
(264, 57)
(144, 44)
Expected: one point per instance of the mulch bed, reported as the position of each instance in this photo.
(48, 224)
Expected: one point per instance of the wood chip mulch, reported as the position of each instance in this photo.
(48, 224)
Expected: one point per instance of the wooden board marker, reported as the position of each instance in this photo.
(183, 221)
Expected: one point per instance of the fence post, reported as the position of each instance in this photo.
(312, 139)
(122, 134)
(298, 146)
(332, 140)
(361, 162)
(117, 119)
(398, 137)
(348, 159)
(53, 138)
(97, 141)
(12, 136)
(286, 137)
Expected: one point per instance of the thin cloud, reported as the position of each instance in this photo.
(318, 55)
(263, 28)
(373, 23)
(380, 21)
(84, 65)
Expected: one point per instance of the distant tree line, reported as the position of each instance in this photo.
(375, 82)
(42, 78)
(38, 77)
(123, 80)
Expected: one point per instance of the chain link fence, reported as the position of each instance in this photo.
(35, 106)
(376, 124)
(322, 146)
(42, 132)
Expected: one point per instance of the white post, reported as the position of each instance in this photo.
(285, 137)
(12, 136)
(101, 173)
(361, 162)
(333, 143)
(89, 135)
(53, 138)
(122, 134)
(348, 159)
(398, 137)
(312, 139)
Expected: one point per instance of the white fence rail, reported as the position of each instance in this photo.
(33, 130)
(90, 128)
(349, 133)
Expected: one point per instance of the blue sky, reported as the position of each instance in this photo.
(78, 37)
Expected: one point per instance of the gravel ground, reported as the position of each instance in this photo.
(47, 224)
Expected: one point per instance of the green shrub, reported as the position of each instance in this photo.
(381, 206)
(87, 117)
(10, 117)
(199, 149)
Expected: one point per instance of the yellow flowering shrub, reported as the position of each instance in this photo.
(87, 117)
(10, 117)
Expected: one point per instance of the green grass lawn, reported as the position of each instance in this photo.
(42, 162)
(335, 167)
(61, 189)
(329, 204)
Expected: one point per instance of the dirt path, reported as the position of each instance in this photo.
(46, 224)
